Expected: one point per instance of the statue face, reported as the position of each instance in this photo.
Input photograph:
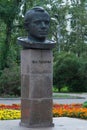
(39, 25)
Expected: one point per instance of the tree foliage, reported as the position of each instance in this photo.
(10, 81)
(8, 11)
(71, 26)
(71, 71)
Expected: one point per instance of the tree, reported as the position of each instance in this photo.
(65, 69)
(78, 24)
(71, 71)
(69, 26)
(8, 12)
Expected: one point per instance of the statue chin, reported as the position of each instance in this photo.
(36, 39)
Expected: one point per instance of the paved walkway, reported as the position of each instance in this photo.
(60, 101)
(61, 123)
(83, 98)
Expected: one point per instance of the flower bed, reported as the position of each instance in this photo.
(9, 112)
(69, 110)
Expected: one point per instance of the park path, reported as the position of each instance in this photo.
(60, 101)
(83, 98)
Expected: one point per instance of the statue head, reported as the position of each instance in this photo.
(36, 22)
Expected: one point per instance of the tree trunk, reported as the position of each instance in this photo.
(6, 45)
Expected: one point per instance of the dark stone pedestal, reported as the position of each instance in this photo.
(36, 88)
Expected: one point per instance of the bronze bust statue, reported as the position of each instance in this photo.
(36, 23)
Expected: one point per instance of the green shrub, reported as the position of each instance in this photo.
(71, 71)
(65, 69)
(10, 81)
(84, 104)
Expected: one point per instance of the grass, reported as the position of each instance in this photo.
(64, 89)
(62, 96)
(65, 96)
(9, 96)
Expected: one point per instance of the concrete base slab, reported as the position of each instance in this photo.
(61, 123)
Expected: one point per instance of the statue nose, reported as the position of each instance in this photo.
(43, 24)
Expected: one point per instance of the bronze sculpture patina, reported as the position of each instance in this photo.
(36, 23)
